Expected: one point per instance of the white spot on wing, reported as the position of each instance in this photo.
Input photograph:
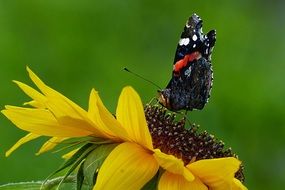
(184, 41)
(187, 40)
(206, 52)
(194, 37)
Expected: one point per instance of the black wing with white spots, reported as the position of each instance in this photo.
(191, 82)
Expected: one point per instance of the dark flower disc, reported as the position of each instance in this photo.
(171, 137)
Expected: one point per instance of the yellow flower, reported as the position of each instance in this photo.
(132, 163)
(56, 116)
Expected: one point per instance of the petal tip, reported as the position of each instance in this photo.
(7, 154)
(130, 91)
(4, 111)
(38, 153)
(28, 68)
(31, 73)
(93, 90)
(128, 88)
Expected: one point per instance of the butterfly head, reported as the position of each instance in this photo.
(164, 98)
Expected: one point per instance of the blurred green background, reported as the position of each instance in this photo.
(76, 45)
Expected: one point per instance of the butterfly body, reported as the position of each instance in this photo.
(192, 75)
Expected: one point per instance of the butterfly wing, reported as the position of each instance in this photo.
(191, 82)
(193, 44)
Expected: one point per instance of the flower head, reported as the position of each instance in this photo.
(145, 140)
(209, 163)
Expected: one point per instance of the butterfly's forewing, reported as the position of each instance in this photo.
(191, 82)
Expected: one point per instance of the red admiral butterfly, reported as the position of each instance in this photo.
(192, 76)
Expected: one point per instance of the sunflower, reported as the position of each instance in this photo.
(140, 150)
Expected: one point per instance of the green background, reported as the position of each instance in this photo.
(76, 45)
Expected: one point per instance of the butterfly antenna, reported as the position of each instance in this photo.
(139, 76)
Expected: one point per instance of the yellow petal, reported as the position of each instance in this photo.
(237, 185)
(130, 114)
(23, 140)
(170, 181)
(42, 122)
(39, 98)
(79, 124)
(35, 104)
(59, 105)
(50, 144)
(102, 118)
(172, 164)
(216, 173)
(69, 154)
(128, 167)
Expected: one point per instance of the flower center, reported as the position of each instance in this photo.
(171, 137)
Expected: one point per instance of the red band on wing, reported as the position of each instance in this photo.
(183, 62)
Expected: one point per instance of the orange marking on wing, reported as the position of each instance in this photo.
(183, 62)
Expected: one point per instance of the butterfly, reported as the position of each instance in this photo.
(192, 75)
